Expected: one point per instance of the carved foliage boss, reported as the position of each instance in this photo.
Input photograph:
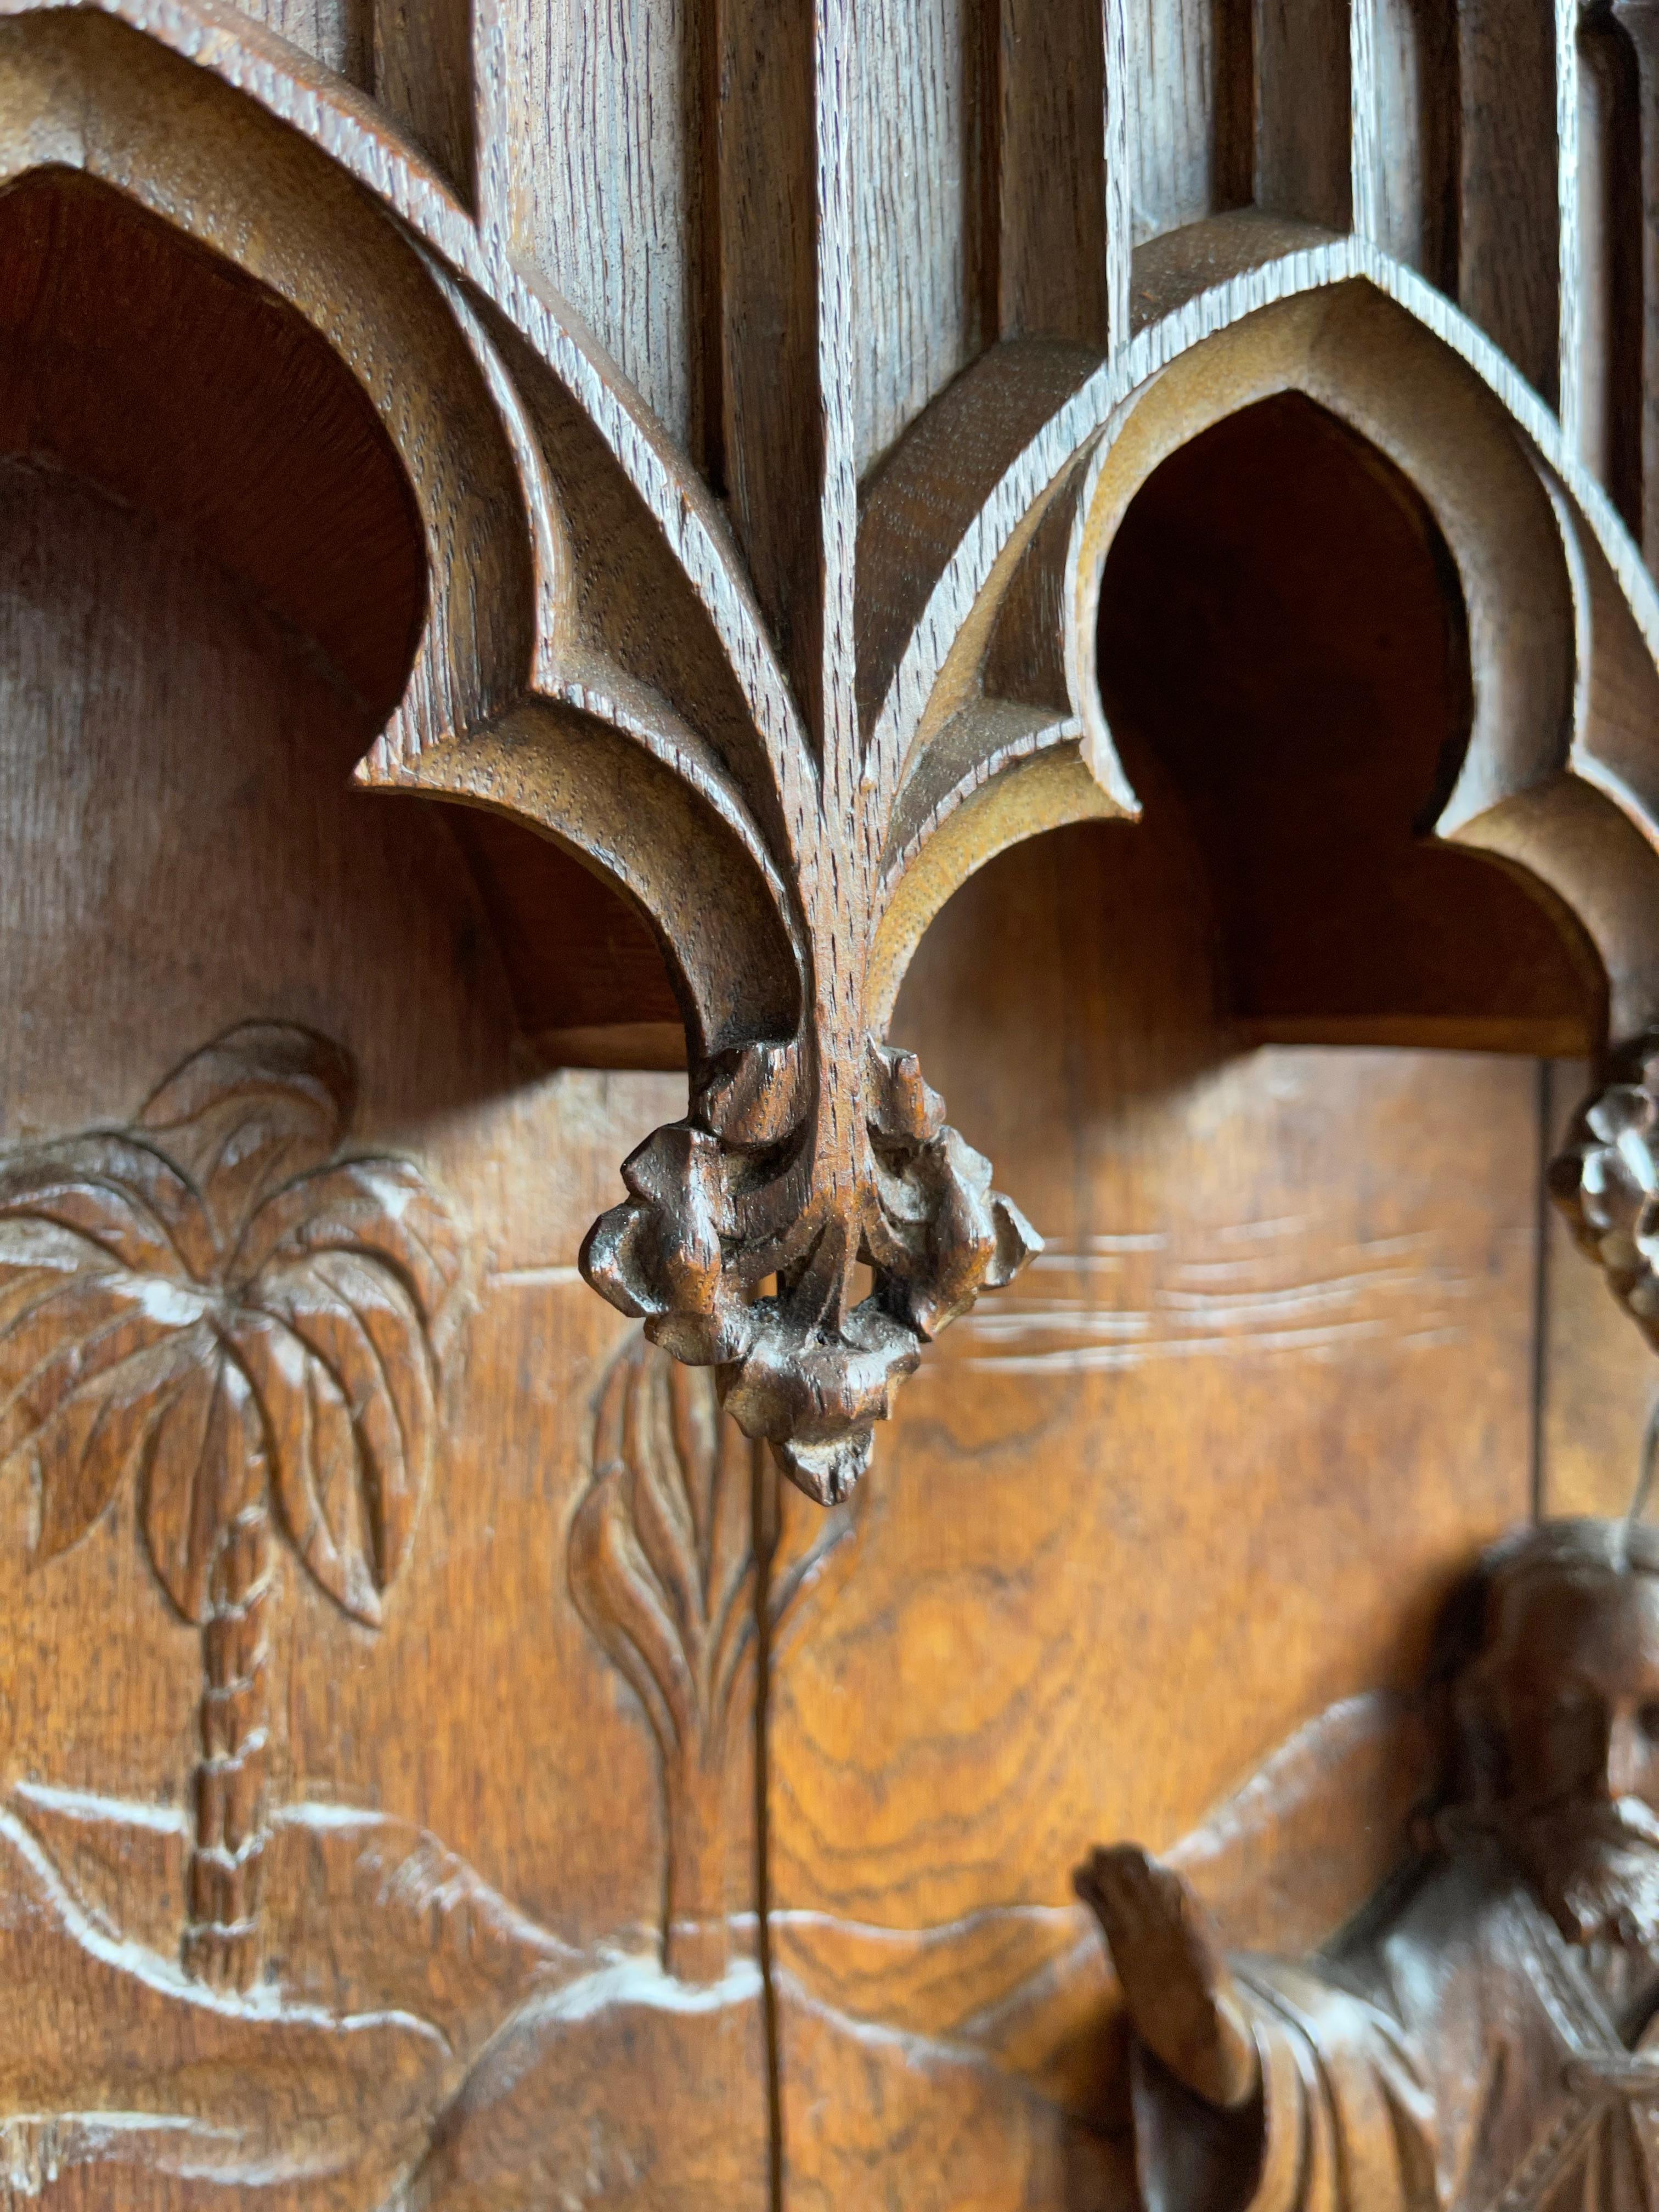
(659, 679)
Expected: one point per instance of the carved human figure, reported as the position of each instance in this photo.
(1484, 2036)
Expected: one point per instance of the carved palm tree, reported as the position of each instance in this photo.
(685, 1546)
(210, 1307)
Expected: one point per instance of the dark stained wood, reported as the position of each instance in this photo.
(1639, 24)
(1613, 282)
(1045, 96)
(1303, 107)
(1417, 145)
(160, 373)
(577, 956)
(1508, 216)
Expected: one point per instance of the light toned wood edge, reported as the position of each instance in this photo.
(630, 813)
(1601, 863)
(1080, 420)
(1045, 787)
(651, 1045)
(1352, 354)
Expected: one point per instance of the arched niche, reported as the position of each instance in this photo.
(216, 584)
(198, 488)
(525, 471)
(1320, 517)
(1285, 658)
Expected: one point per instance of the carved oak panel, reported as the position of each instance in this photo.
(622, 583)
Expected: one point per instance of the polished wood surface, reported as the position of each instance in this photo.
(1005, 643)
(1483, 2031)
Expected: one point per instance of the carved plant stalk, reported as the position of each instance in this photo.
(697, 1945)
(664, 1558)
(210, 1305)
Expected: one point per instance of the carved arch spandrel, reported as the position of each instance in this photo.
(504, 625)
(597, 662)
(807, 1152)
(1561, 609)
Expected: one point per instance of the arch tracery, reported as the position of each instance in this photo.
(597, 664)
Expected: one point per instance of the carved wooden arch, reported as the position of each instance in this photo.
(1564, 615)
(502, 622)
(562, 529)
(790, 739)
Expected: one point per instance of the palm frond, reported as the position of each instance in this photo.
(259, 1105)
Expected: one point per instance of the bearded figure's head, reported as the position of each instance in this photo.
(1549, 1663)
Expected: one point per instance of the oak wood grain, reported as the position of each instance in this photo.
(1508, 220)
(1119, 514)
(1241, 1366)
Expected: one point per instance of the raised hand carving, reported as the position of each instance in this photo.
(1484, 2031)
(679, 1558)
(1606, 1180)
(209, 1306)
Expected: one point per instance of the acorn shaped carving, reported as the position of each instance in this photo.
(1606, 1180)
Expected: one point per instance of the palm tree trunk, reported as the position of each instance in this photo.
(222, 1936)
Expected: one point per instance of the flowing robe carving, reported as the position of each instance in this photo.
(1452, 2053)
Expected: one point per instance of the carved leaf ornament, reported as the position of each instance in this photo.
(1606, 1180)
(798, 1368)
(678, 1560)
(207, 1288)
(789, 719)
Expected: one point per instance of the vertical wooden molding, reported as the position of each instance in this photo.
(424, 75)
(492, 167)
(1237, 69)
(987, 125)
(707, 27)
(1365, 134)
(1611, 247)
(1510, 200)
(1053, 255)
(783, 222)
(1570, 248)
(1118, 123)
(1304, 106)
(1414, 111)
(838, 502)
(1639, 20)
(772, 428)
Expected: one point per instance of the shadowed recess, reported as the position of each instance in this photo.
(590, 986)
(1283, 635)
(132, 358)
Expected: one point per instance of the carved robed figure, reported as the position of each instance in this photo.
(1486, 2033)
